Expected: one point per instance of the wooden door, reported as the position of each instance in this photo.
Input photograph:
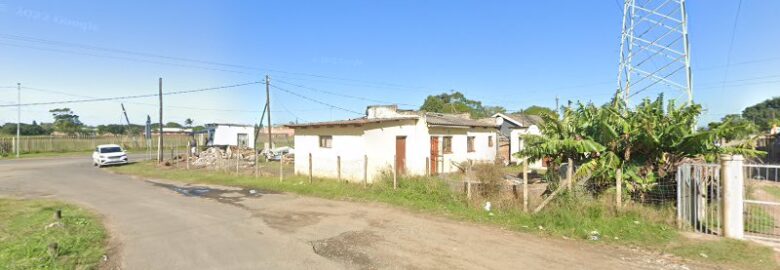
(400, 154)
(434, 155)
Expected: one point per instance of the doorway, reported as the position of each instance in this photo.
(434, 155)
(400, 154)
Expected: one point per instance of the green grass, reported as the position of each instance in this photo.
(758, 220)
(24, 236)
(567, 216)
(727, 253)
(772, 190)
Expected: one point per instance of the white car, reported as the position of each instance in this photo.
(108, 154)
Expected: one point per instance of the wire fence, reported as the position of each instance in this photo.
(762, 200)
(58, 144)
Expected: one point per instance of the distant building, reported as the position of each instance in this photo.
(222, 134)
(412, 142)
(173, 131)
(511, 128)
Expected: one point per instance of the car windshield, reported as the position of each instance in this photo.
(110, 150)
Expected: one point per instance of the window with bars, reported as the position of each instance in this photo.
(326, 141)
(470, 143)
(446, 145)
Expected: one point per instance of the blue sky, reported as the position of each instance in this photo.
(354, 53)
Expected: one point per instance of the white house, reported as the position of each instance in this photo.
(511, 128)
(415, 143)
(220, 134)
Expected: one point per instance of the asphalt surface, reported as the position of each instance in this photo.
(155, 229)
(158, 224)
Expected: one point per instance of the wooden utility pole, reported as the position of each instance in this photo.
(160, 144)
(569, 173)
(268, 104)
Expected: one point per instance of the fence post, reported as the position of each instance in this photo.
(281, 169)
(189, 150)
(569, 173)
(338, 167)
(395, 173)
(14, 146)
(427, 166)
(619, 188)
(525, 185)
(733, 191)
(365, 170)
(310, 169)
(238, 157)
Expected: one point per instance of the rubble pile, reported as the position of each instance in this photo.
(215, 156)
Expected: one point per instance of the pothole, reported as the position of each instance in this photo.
(348, 248)
(232, 196)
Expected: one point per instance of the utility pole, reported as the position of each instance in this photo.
(125, 113)
(557, 109)
(160, 141)
(268, 104)
(18, 116)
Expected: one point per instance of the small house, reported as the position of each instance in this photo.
(221, 134)
(511, 128)
(387, 139)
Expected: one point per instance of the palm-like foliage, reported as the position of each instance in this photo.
(647, 142)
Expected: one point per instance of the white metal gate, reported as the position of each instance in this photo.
(762, 201)
(699, 197)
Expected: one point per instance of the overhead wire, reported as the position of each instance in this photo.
(134, 96)
(314, 100)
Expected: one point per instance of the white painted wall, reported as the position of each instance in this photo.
(516, 144)
(377, 141)
(483, 153)
(228, 135)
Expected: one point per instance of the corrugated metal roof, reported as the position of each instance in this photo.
(439, 119)
(357, 121)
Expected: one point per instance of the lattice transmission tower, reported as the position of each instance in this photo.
(654, 50)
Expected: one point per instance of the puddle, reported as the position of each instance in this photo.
(229, 196)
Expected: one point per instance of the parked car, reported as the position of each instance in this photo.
(108, 154)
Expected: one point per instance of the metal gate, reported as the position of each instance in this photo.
(699, 197)
(762, 201)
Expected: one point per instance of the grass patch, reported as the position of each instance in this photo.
(569, 216)
(727, 253)
(24, 236)
(772, 190)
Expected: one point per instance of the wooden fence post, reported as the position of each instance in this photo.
(281, 169)
(619, 188)
(338, 167)
(238, 157)
(525, 185)
(188, 155)
(310, 169)
(569, 173)
(365, 170)
(427, 166)
(395, 173)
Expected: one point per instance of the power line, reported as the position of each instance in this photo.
(183, 59)
(314, 100)
(134, 96)
(731, 44)
(344, 95)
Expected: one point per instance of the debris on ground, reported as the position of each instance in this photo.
(215, 156)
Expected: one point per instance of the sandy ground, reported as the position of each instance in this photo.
(164, 225)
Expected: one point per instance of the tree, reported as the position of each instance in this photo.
(734, 127)
(111, 129)
(647, 142)
(173, 125)
(539, 110)
(763, 113)
(456, 102)
(188, 122)
(65, 120)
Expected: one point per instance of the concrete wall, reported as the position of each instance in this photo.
(516, 144)
(377, 141)
(228, 135)
(483, 152)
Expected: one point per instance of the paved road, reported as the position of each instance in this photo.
(155, 225)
